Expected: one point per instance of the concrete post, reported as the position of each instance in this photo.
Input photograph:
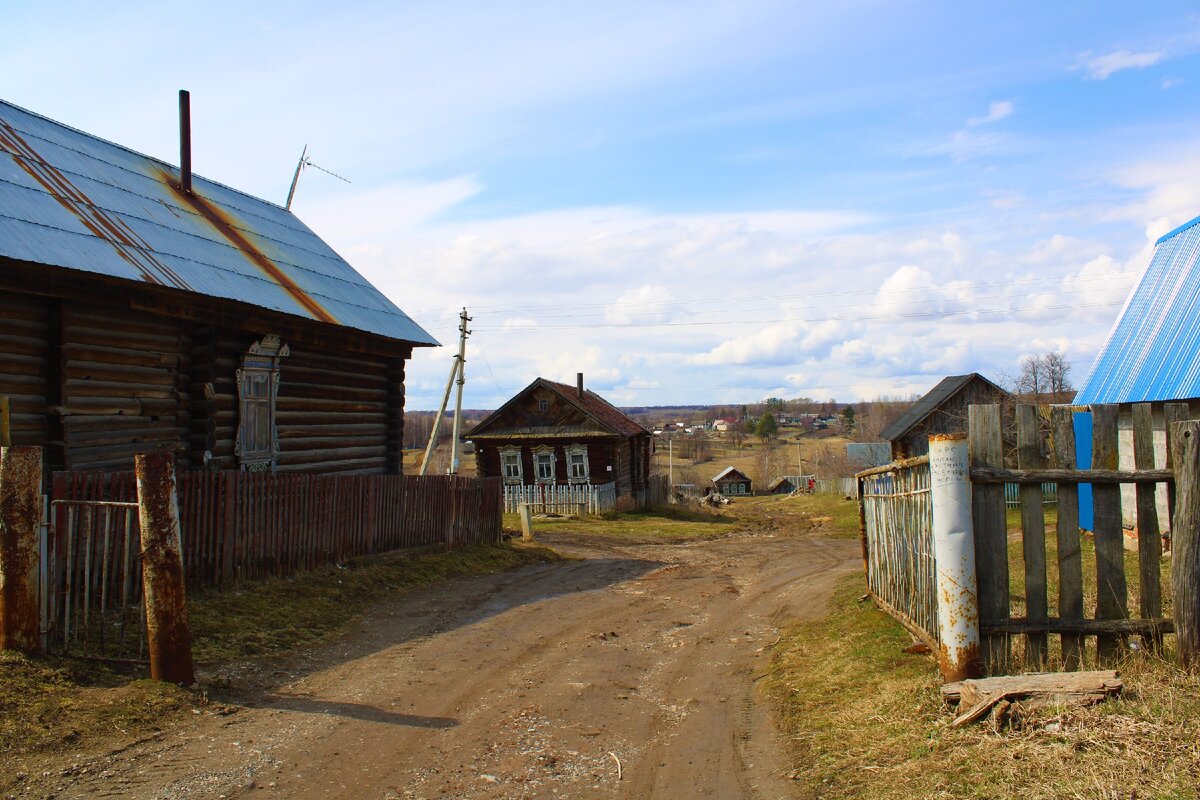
(954, 555)
(525, 512)
(20, 521)
(167, 632)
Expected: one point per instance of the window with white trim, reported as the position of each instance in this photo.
(257, 441)
(577, 463)
(543, 464)
(510, 465)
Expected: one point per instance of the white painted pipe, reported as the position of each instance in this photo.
(954, 555)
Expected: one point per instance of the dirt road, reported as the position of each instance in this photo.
(629, 673)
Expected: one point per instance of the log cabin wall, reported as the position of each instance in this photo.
(332, 413)
(602, 454)
(124, 387)
(25, 365)
(96, 383)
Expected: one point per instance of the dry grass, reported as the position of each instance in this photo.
(867, 722)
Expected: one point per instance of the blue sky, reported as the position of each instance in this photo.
(689, 202)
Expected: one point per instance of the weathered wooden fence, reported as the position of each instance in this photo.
(554, 499)
(236, 525)
(897, 516)
(658, 491)
(898, 572)
(842, 487)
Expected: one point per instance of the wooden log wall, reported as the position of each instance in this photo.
(332, 413)
(123, 387)
(25, 365)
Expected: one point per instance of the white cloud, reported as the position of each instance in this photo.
(1170, 83)
(997, 111)
(642, 305)
(771, 345)
(1101, 67)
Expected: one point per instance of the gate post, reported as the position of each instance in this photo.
(954, 557)
(20, 521)
(167, 632)
(1185, 541)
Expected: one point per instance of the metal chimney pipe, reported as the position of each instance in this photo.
(185, 140)
(579, 383)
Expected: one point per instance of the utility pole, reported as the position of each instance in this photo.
(671, 460)
(462, 368)
(456, 371)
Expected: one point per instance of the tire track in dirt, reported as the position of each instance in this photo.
(527, 684)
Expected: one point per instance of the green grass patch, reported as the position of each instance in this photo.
(866, 721)
(277, 616)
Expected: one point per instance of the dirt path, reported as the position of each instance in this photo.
(534, 683)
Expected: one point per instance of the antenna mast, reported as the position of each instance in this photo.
(305, 161)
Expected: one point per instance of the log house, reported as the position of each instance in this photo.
(136, 315)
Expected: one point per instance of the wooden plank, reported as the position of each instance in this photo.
(1172, 413)
(5, 423)
(1111, 592)
(1070, 557)
(989, 475)
(1033, 534)
(991, 536)
(1149, 536)
(1082, 627)
(1185, 543)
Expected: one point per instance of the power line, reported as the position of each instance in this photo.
(830, 318)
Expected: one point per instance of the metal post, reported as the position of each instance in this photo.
(954, 556)
(20, 523)
(167, 631)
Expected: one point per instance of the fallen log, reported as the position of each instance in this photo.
(975, 698)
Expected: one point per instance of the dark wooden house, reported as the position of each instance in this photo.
(552, 433)
(942, 410)
(144, 308)
(731, 481)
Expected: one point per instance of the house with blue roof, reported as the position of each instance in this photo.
(1152, 354)
(144, 308)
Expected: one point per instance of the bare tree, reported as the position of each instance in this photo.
(1045, 374)
(1057, 372)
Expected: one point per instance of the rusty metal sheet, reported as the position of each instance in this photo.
(72, 200)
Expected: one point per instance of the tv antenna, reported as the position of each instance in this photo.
(305, 161)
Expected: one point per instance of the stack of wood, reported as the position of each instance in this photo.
(977, 698)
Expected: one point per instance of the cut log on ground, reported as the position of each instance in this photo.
(976, 698)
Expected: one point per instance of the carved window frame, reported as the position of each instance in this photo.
(544, 457)
(257, 442)
(578, 471)
(511, 457)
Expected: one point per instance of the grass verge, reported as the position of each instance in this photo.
(50, 704)
(867, 722)
(277, 616)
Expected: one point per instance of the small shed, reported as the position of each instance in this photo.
(557, 434)
(144, 308)
(784, 484)
(732, 481)
(1152, 354)
(942, 410)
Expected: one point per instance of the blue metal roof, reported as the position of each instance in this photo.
(72, 200)
(1153, 350)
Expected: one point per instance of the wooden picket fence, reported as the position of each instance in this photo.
(235, 525)
(555, 499)
(897, 534)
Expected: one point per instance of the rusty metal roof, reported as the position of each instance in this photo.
(610, 418)
(71, 200)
